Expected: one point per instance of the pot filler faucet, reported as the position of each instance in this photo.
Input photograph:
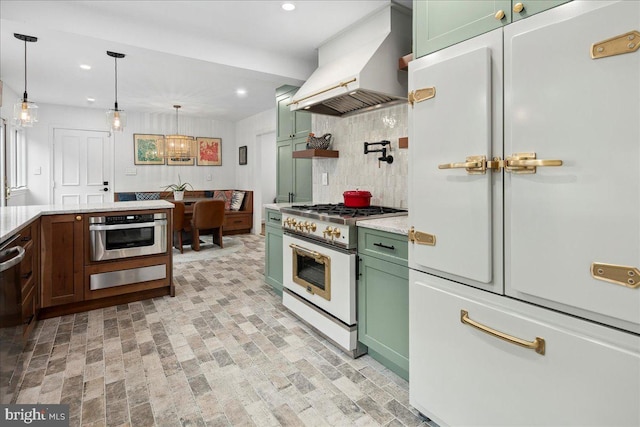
(383, 150)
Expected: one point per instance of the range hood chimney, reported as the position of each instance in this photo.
(358, 68)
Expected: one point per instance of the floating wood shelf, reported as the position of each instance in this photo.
(308, 154)
(403, 63)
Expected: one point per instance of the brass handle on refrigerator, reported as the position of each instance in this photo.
(474, 165)
(527, 163)
(538, 344)
(420, 95)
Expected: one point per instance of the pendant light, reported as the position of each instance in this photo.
(116, 119)
(178, 147)
(25, 112)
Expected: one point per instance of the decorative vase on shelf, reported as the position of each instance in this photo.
(178, 195)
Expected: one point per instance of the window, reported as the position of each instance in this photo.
(16, 159)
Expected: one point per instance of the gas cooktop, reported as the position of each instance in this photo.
(338, 212)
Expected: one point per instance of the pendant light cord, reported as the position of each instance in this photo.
(24, 99)
(116, 61)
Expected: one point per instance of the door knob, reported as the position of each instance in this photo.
(518, 7)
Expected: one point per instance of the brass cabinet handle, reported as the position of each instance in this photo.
(618, 274)
(538, 344)
(527, 163)
(420, 95)
(518, 7)
(421, 238)
(499, 15)
(78, 218)
(473, 165)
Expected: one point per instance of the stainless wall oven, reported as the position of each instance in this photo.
(124, 236)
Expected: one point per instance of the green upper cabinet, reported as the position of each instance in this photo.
(291, 124)
(442, 23)
(294, 179)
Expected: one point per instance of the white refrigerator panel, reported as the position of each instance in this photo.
(462, 120)
(562, 104)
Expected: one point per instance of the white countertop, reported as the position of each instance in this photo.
(12, 218)
(394, 224)
(277, 206)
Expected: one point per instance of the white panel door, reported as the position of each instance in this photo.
(463, 119)
(82, 166)
(561, 104)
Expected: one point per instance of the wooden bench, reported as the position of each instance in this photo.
(235, 222)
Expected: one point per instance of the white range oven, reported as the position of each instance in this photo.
(320, 268)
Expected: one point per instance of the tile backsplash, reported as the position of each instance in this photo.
(356, 170)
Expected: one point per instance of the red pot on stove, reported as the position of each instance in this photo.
(356, 199)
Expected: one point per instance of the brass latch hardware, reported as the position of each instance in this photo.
(618, 274)
(527, 163)
(624, 43)
(538, 344)
(420, 95)
(474, 165)
(421, 238)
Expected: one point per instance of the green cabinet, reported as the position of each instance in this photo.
(293, 180)
(441, 23)
(273, 250)
(383, 298)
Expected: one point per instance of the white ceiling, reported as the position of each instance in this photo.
(193, 53)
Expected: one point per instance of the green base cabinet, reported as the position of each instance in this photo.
(273, 250)
(441, 23)
(383, 300)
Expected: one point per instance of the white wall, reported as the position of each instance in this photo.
(146, 178)
(259, 174)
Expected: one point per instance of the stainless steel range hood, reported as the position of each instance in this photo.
(358, 69)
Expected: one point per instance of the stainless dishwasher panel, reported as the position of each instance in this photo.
(126, 277)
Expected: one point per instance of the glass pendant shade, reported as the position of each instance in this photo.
(116, 118)
(179, 147)
(25, 112)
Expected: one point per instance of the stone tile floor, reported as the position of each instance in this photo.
(223, 351)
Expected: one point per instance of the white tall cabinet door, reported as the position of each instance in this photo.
(81, 167)
(462, 120)
(562, 104)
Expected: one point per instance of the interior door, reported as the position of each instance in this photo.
(562, 104)
(455, 205)
(82, 166)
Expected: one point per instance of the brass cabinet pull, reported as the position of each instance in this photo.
(538, 344)
(474, 165)
(618, 274)
(518, 7)
(78, 218)
(624, 43)
(421, 238)
(420, 95)
(526, 163)
(499, 15)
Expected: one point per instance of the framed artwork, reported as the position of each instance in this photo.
(242, 155)
(209, 151)
(181, 161)
(147, 149)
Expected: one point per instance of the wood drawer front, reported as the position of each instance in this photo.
(384, 245)
(463, 376)
(237, 222)
(274, 218)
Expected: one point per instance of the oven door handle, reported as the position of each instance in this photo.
(302, 251)
(13, 261)
(98, 227)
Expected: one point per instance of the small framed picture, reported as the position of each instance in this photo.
(242, 155)
(180, 161)
(148, 149)
(209, 151)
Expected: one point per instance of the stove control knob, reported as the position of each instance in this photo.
(335, 233)
(306, 226)
(312, 226)
(328, 230)
(290, 222)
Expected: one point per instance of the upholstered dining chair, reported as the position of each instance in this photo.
(179, 223)
(208, 216)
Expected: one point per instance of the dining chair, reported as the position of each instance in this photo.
(208, 216)
(179, 224)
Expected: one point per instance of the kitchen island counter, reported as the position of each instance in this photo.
(394, 224)
(13, 218)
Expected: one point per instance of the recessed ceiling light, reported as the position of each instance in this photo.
(91, 99)
(241, 92)
(85, 66)
(288, 6)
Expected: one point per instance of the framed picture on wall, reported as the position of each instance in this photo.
(147, 149)
(209, 151)
(242, 155)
